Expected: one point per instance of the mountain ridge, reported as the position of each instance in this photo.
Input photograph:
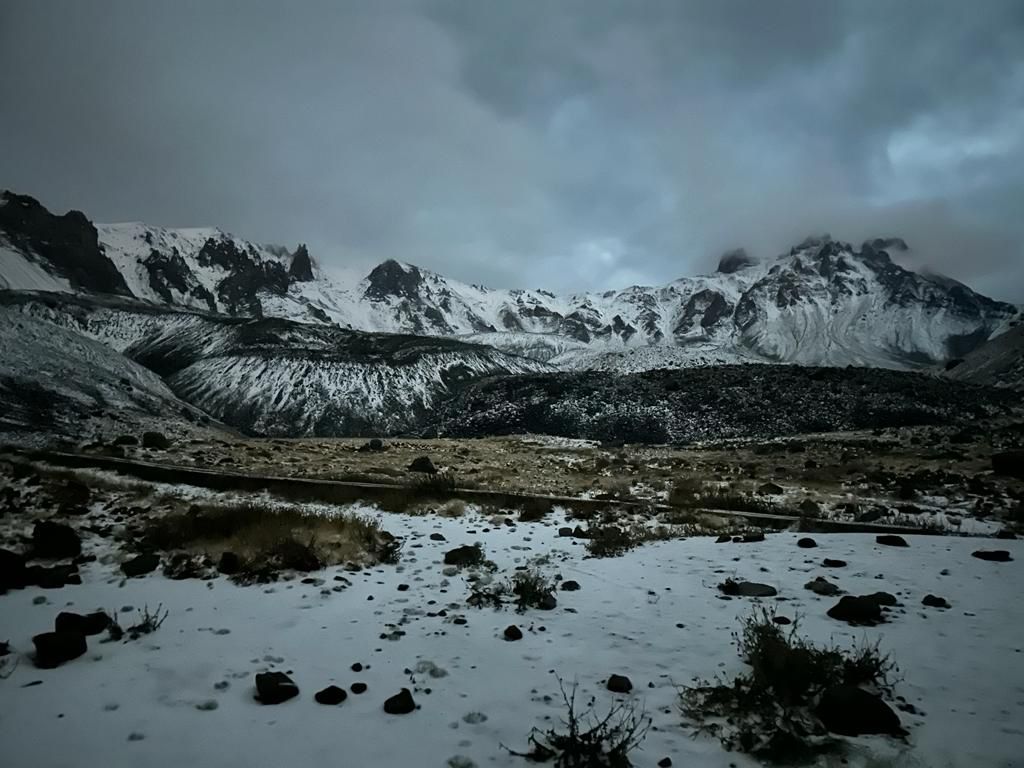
(825, 302)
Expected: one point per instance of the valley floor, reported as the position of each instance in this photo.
(184, 695)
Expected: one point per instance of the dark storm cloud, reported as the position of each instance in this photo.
(571, 144)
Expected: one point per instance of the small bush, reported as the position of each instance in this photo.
(613, 540)
(685, 491)
(588, 741)
(527, 589)
(146, 624)
(768, 711)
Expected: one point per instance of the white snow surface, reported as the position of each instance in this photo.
(18, 271)
(653, 614)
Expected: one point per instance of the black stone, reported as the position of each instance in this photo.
(12, 570)
(55, 540)
(275, 687)
(619, 684)
(401, 703)
(933, 601)
(891, 540)
(830, 563)
(155, 440)
(570, 586)
(512, 632)
(465, 555)
(852, 711)
(330, 695)
(993, 555)
(92, 624)
(807, 543)
(423, 464)
(746, 589)
(54, 648)
(358, 688)
(141, 565)
(857, 611)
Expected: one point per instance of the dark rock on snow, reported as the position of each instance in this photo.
(512, 632)
(55, 540)
(746, 589)
(852, 711)
(229, 563)
(830, 563)
(619, 684)
(857, 611)
(933, 601)
(55, 648)
(358, 688)
(275, 687)
(92, 624)
(155, 440)
(993, 555)
(465, 555)
(401, 703)
(330, 695)
(140, 565)
(807, 543)
(891, 540)
(12, 570)
(570, 586)
(823, 587)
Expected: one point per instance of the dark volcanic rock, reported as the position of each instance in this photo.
(331, 695)
(141, 565)
(823, 587)
(55, 577)
(12, 570)
(422, 464)
(857, 611)
(470, 554)
(828, 562)
(155, 440)
(993, 555)
(852, 711)
(619, 684)
(68, 244)
(709, 402)
(807, 543)
(54, 648)
(891, 540)
(275, 687)
(301, 269)
(76, 623)
(746, 589)
(55, 540)
(570, 585)
(933, 601)
(1010, 463)
(401, 703)
(512, 633)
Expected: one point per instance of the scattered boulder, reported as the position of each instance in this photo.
(55, 541)
(358, 688)
(13, 574)
(155, 440)
(331, 695)
(852, 711)
(140, 565)
(992, 555)
(619, 684)
(570, 586)
(933, 601)
(810, 508)
(828, 562)
(752, 538)
(1010, 463)
(891, 540)
(724, 538)
(469, 554)
(55, 648)
(401, 703)
(275, 687)
(1006, 533)
(806, 543)
(93, 624)
(423, 464)
(857, 611)
(437, 537)
(565, 531)
(823, 587)
(374, 444)
(746, 589)
(883, 598)
(229, 563)
(512, 633)
(770, 489)
(55, 577)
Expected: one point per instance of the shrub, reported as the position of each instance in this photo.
(768, 711)
(589, 741)
(612, 540)
(527, 589)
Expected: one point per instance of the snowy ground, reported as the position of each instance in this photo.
(653, 614)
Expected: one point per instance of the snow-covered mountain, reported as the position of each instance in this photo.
(824, 302)
(266, 376)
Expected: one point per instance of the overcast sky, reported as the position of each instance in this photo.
(566, 144)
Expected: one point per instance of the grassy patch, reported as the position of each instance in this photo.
(267, 537)
(768, 710)
(526, 589)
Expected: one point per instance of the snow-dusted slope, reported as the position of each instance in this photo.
(57, 381)
(999, 363)
(273, 376)
(824, 302)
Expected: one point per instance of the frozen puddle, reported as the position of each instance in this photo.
(184, 695)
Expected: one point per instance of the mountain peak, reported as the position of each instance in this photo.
(393, 278)
(301, 268)
(734, 260)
